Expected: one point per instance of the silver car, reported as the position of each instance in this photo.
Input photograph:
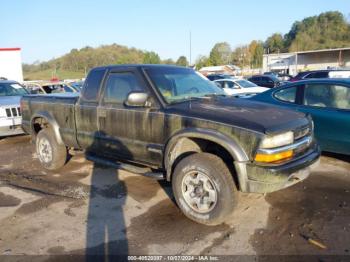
(10, 111)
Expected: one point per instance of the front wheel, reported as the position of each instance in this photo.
(51, 154)
(204, 188)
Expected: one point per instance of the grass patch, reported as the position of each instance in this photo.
(48, 74)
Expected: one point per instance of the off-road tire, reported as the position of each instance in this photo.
(214, 168)
(58, 151)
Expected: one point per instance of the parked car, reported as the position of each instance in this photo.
(77, 85)
(281, 76)
(50, 87)
(285, 77)
(214, 77)
(327, 101)
(321, 74)
(239, 87)
(10, 112)
(180, 127)
(271, 74)
(269, 81)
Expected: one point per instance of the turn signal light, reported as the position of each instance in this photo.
(264, 158)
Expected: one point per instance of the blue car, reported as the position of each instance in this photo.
(326, 100)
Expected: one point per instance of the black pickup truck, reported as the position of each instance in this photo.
(171, 123)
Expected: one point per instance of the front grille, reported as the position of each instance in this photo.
(13, 112)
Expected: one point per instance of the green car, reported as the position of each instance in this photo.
(326, 100)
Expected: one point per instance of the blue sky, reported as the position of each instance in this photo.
(46, 29)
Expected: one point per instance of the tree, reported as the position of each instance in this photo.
(182, 61)
(241, 56)
(220, 54)
(151, 58)
(327, 30)
(202, 61)
(275, 43)
(256, 51)
(168, 61)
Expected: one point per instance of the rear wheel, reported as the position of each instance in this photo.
(204, 188)
(51, 154)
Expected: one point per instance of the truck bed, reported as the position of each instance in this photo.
(60, 107)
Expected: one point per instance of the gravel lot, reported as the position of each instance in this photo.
(89, 209)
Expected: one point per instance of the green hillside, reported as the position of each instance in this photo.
(78, 61)
(49, 73)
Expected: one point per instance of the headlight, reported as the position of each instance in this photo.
(276, 157)
(270, 150)
(312, 126)
(278, 140)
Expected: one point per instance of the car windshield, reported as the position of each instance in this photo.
(12, 89)
(245, 83)
(182, 84)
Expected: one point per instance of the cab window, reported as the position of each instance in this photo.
(287, 94)
(118, 87)
(92, 85)
(326, 95)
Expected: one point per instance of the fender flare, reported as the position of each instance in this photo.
(236, 151)
(52, 122)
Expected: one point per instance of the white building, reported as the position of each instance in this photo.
(11, 64)
(292, 63)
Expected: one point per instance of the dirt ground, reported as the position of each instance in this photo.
(89, 209)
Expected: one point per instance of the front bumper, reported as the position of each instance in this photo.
(10, 127)
(266, 179)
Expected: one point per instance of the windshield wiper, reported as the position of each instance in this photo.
(193, 98)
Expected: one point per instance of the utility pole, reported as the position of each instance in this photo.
(190, 48)
(340, 63)
(268, 60)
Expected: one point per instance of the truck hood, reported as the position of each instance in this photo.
(242, 113)
(9, 101)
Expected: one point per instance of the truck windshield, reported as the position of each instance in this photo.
(181, 84)
(12, 89)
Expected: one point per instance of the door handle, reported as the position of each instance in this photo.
(101, 112)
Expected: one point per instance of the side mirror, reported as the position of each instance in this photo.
(137, 99)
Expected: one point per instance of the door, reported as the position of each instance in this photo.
(256, 80)
(267, 82)
(129, 133)
(329, 106)
(86, 111)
